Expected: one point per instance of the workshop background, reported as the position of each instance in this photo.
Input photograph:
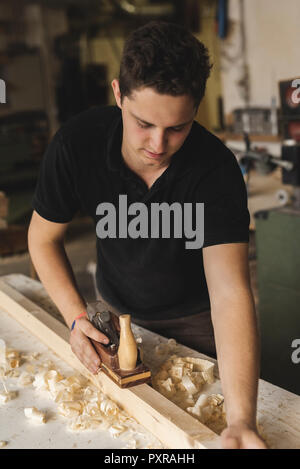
(58, 58)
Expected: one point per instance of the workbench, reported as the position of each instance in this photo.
(278, 409)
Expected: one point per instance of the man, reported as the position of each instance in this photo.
(149, 149)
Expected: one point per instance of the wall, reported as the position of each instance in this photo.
(271, 50)
(208, 109)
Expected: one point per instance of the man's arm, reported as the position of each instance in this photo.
(47, 251)
(235, 327)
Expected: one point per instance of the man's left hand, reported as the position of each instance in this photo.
(241, 436)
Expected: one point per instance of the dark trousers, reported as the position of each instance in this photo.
(195, 331)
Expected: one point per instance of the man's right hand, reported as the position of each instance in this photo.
(82, 347)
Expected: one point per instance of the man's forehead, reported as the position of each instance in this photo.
(162, 110)
(174, 124)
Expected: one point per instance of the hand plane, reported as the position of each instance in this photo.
(120, 358)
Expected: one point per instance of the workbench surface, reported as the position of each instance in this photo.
(278, 409)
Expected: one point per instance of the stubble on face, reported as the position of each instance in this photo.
(166, 133)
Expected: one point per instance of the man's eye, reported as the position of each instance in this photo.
(143, 126)
(146, 126)
(175, 129)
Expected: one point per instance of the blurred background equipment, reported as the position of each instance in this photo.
(277, 234)
(23, 139)
(257, 121)
(278, 270)
(57, 59)
(290, 108)
(145, 8)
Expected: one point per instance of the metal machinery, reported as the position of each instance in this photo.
(278, 268)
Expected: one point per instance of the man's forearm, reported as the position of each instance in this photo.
(56, 274)
(238, 356)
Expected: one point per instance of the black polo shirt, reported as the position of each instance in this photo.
(150, 278)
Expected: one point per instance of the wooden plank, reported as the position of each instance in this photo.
(174, 427)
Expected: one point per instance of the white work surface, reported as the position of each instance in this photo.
(21, 432)
(278, 410)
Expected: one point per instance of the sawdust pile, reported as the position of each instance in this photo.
(183, 381)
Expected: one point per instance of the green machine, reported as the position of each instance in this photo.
(278, 269)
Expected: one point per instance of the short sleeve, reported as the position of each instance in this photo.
(55, 196)
(226, 215)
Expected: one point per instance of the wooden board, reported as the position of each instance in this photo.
(170, 424)
(21, 433)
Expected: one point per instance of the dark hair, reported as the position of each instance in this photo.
(166, 57)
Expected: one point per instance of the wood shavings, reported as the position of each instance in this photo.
(13, 358)
(70, 408)
(82, 404)
(172, 344)
(202, 400)
(116, 430)
(82, 423)
(40, 381)
(2, 352)
(25, 379)
(48, 364)
(14, 373)
(30, 369)
(163, 374)
(160, 349)
(9, 359)
(181, 379)
(168, 386)
(35, 415)
(189, 385)
(109, 408)
(210, 411)
(131, 445)
(3, 384)
(92, 409)
(53, 380)
(7, 396)
(13, 362)
(31, 356)
(165, 348)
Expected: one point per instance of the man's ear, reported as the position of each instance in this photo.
(116, 90)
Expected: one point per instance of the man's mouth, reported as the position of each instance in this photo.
(153, 155)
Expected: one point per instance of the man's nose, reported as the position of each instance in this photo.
(158, 141)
